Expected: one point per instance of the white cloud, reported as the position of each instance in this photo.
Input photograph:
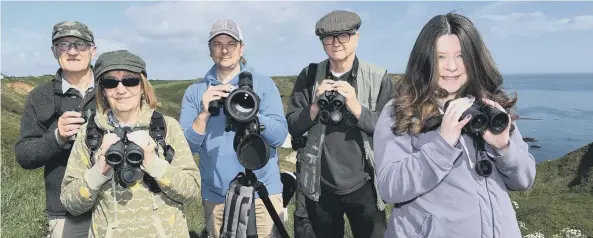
(26, 52)
(503, 20)
(496, 7)
(536, 23)
(176, 32)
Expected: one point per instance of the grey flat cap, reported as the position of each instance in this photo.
(72, 28)
(336, 22)
(119, 60)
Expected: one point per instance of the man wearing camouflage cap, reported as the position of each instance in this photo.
(335, 163)
(51, 119)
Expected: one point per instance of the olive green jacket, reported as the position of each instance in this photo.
(133, 211)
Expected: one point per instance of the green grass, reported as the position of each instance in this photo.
(558, 198)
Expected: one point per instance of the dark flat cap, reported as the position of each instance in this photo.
(72, 28)
(337, 22)
(119, 60)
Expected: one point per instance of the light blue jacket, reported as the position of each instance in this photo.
(438, 193)
(218, 161)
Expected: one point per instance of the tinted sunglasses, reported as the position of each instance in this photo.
(113, 83)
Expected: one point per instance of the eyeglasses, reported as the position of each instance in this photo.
(342, 38)
(113, 83)
(78, 45)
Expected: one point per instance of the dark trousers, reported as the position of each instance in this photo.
(327, 215)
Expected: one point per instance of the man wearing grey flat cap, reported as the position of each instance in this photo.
(52, 116)
(335, 159)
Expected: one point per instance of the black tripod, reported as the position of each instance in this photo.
(250, 180)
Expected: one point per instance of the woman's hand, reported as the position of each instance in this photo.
(108, 140)
(498, 141)
(144, 140)
(451, 126)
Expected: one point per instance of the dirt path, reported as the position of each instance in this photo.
(20, 87)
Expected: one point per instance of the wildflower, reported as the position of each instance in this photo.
(515, 205)
(534, 235)
(569, 233)
(522, 225)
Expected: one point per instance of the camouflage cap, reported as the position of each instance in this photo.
(119, 60)
(72, 28)
(336, 22)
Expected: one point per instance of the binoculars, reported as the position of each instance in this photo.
(484, 117)
(125, 157)
(86, 114)
(330, 105)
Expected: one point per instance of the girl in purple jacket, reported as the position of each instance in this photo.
(446, 148)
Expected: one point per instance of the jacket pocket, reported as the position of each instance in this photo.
(417, 224)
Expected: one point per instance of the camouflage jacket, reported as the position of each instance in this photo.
(133, 211)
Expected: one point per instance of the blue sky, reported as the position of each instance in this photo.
(524, 37)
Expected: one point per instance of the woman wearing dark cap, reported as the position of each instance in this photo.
(447, 176)
(143, 195)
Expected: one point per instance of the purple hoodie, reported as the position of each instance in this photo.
(438, 194)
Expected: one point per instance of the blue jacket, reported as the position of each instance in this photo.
(218, 160)
(439, 193)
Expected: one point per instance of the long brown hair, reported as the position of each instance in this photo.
(147, 90)
(418, 91)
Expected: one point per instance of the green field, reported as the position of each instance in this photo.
(562, 196)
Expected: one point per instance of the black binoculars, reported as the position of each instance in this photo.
(330, 105)
(86, 114)
(125, 157)
(215, 105)
(484, 117)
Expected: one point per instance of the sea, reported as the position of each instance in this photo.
(558, 111)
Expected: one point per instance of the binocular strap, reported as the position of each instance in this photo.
(471, 163)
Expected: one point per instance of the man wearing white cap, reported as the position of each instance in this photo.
(206, 135)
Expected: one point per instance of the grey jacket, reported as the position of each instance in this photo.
(368, 84)
(436, 191)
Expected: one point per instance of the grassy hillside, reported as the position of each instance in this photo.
(560, 198)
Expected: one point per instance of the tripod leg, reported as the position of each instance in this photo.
(263, 194)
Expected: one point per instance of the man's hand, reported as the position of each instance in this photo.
(326, 85)
(214, 93)
(69, 124)
(349, 93)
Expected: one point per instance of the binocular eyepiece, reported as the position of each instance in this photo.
(484, 117)
(125, 157)
(331, 104)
